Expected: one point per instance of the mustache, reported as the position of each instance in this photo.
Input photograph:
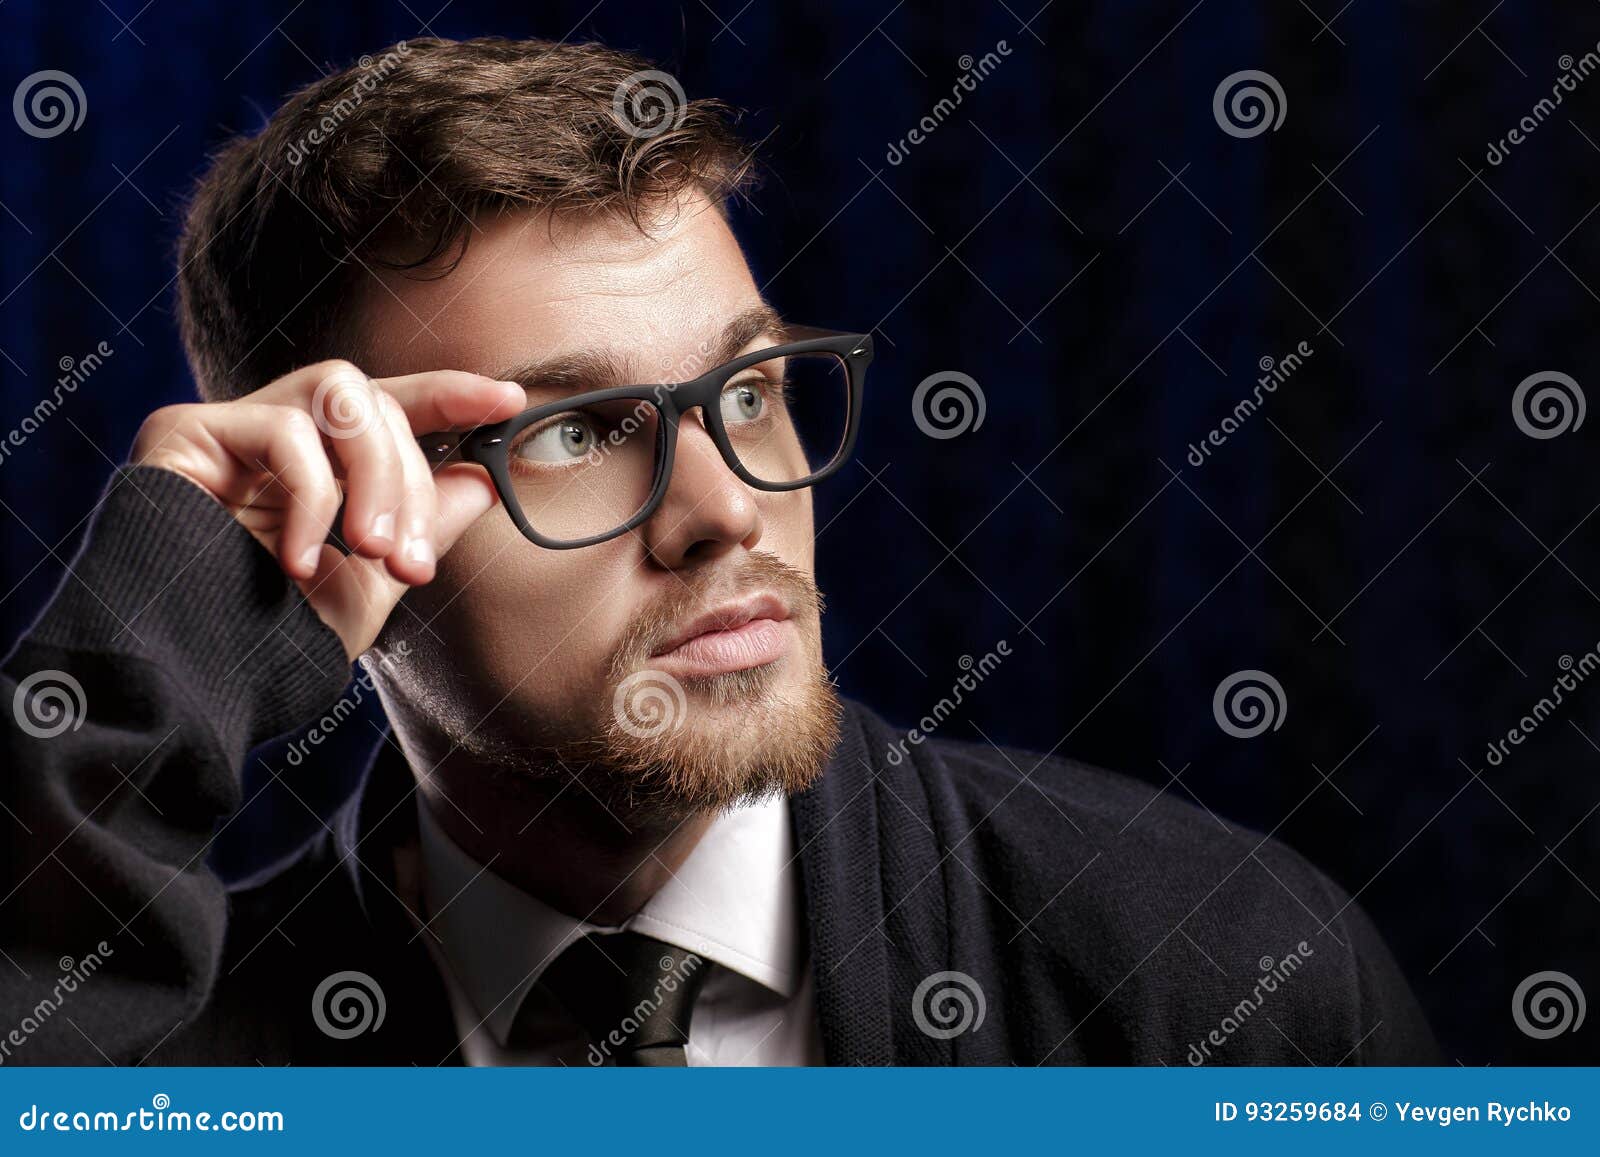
(656, 623)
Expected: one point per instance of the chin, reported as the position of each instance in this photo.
(714, 742)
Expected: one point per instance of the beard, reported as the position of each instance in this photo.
(658, 746)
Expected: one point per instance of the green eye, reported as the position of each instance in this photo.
(565, 439)
(742, 402)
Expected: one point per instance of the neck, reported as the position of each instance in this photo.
(548, 835)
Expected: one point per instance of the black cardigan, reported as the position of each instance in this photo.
(1091, 919)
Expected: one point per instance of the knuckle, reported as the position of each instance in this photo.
(320, 493)
(298, 425)
(458, 378)
(336, 367)
(392, 409)
(345, 403)
(161, 424)
(168, 416)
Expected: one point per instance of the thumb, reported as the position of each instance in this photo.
(465, 494)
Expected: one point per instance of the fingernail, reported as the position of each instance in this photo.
(419, 550)
(311, 558)
(383, 526)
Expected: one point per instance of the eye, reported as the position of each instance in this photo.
(743, 402)
(566, 438)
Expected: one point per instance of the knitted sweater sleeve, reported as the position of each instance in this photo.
(172, 646)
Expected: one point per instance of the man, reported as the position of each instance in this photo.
(622, 816)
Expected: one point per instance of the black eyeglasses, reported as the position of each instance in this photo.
(591, 466)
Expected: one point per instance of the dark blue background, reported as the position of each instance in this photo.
(1126, 596)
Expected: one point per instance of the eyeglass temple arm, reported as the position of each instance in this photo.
(807, 332)
(442, 446)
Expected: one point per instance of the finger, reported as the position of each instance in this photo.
(349, 411)
(345, 590)
(464, 493)
(448, 399)
(284, 441)
(413, 561)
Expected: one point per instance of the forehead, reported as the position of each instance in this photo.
(529, 287)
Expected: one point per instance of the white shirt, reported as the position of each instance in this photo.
(735, 901)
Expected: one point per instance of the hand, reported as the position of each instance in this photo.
(283, 459)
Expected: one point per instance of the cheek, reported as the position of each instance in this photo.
(517, 619)
(511, 611)
(788, 528)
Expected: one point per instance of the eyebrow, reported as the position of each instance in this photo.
(598, 369)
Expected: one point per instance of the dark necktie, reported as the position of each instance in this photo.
(632, 994)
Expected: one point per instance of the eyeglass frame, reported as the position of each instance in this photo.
(489, 446)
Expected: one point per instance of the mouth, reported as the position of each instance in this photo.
(737, 636)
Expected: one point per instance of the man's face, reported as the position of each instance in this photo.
(529, 657)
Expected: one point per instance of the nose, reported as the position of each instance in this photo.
(706, 511)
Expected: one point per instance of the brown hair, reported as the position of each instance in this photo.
(409, 145)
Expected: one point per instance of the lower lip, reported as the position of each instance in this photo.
(755, 644)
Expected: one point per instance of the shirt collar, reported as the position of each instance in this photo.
(735, 901)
